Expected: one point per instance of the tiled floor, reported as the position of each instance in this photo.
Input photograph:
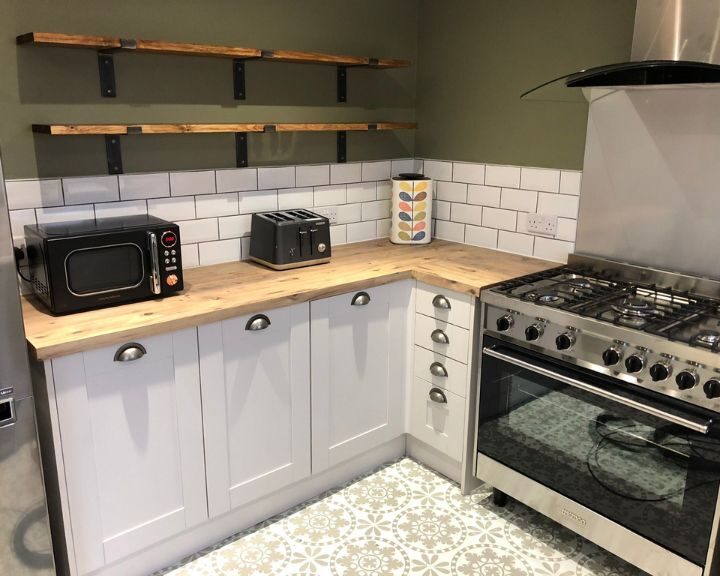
(405, 519)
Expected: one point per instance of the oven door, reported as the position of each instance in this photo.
(93, 271)
(650, 466)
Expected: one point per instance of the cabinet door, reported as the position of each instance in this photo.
(361, 346)
(255, 373)
(131, 436)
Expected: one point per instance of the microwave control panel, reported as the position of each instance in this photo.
(170, 264)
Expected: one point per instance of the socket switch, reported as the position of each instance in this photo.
(542, 224)
(330, 212)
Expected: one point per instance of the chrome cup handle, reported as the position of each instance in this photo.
(257, 322)
(130, 352)
(441, 302)
(360, 299)
(437, 369)
(439, 337)
(437, 395)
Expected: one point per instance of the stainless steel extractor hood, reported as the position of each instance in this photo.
(674, 42)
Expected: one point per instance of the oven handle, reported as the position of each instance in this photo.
(701, 427)
(154, 263)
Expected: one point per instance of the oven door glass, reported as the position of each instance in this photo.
(654, 477)
(91, 271)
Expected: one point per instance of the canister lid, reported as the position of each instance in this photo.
(410, 176)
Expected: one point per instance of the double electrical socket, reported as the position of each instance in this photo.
(542, 224)
(330, 212)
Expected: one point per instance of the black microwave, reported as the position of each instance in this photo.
(87, 264)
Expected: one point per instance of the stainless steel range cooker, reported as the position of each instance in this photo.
(598, 401)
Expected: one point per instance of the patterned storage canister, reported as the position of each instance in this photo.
(411, 209)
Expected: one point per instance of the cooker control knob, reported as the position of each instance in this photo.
(171, 280)
(712, 388)
(534, 331)
(660, 371)
(686, 380)
(635, 363)
(504, 323)
(565, 341)
(611, 356)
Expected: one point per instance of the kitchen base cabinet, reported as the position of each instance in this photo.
(255, 373)
(130, 425)
(361, 347)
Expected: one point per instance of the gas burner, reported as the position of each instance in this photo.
(550, 297)
(707, 337)
(635, 307)
(580, 282)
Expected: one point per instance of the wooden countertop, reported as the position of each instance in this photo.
(222, 291)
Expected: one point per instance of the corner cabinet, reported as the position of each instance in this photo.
(361, 347)
(255, 373)
(131, 429)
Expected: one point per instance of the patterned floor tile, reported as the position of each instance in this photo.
(405, 519)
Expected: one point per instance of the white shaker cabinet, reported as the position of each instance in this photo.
(255, 373)
(131, 427)
(361, 362)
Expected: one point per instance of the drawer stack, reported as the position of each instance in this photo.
(443, 320)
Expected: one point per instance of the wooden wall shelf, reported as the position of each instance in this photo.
(112, 133)
(106, 45)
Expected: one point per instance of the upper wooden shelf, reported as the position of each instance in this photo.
(218, 51)
(122, 129)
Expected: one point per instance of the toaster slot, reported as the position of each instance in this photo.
(305, 244)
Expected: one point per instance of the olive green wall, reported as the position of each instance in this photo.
(477, 57)
(43, 85)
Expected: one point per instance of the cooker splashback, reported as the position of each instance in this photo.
(651, 181)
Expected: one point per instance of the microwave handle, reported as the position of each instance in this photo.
(154, 263)
(701, 427)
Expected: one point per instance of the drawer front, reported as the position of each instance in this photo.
(431, 367)
(437, 418)
(441, 337)
(444, 305)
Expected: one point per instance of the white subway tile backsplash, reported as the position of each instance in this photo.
(361, 192)
(453, 231)
(235, 226)
(33, 194)
(441, 210)
(190, 257)
(225, 204)
(139, 186)
(65, 213)
(291, 198)
(312, 175)
(372, 171)
(257, 201)
(384, 190)
(361, 231)
(116, 209)
(236, 180)
(468, 172)
(280, 177)
(503, 176)
(451, 191)
(478, 236)
(466, 214)
(517, 243)
(91, 190)
(484, 195)
(513, 199)
(19, 219)
(406, 166)
(383, 228)
(192, 183)
(338, 235)
(192, 231)
(549, 249)
(377, 210)
(182, 208)
(541, 179)
(570, 182)
(558, 205)
(566, 229)
(219, 252)
(345, 173)
(347, 213)
(330, 195)
(437, 170)
(499, 218)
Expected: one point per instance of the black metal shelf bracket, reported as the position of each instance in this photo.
(114, 154)
(241, 149)
(342, 83)
(239, 78)
(107, 74)
(341, 146)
